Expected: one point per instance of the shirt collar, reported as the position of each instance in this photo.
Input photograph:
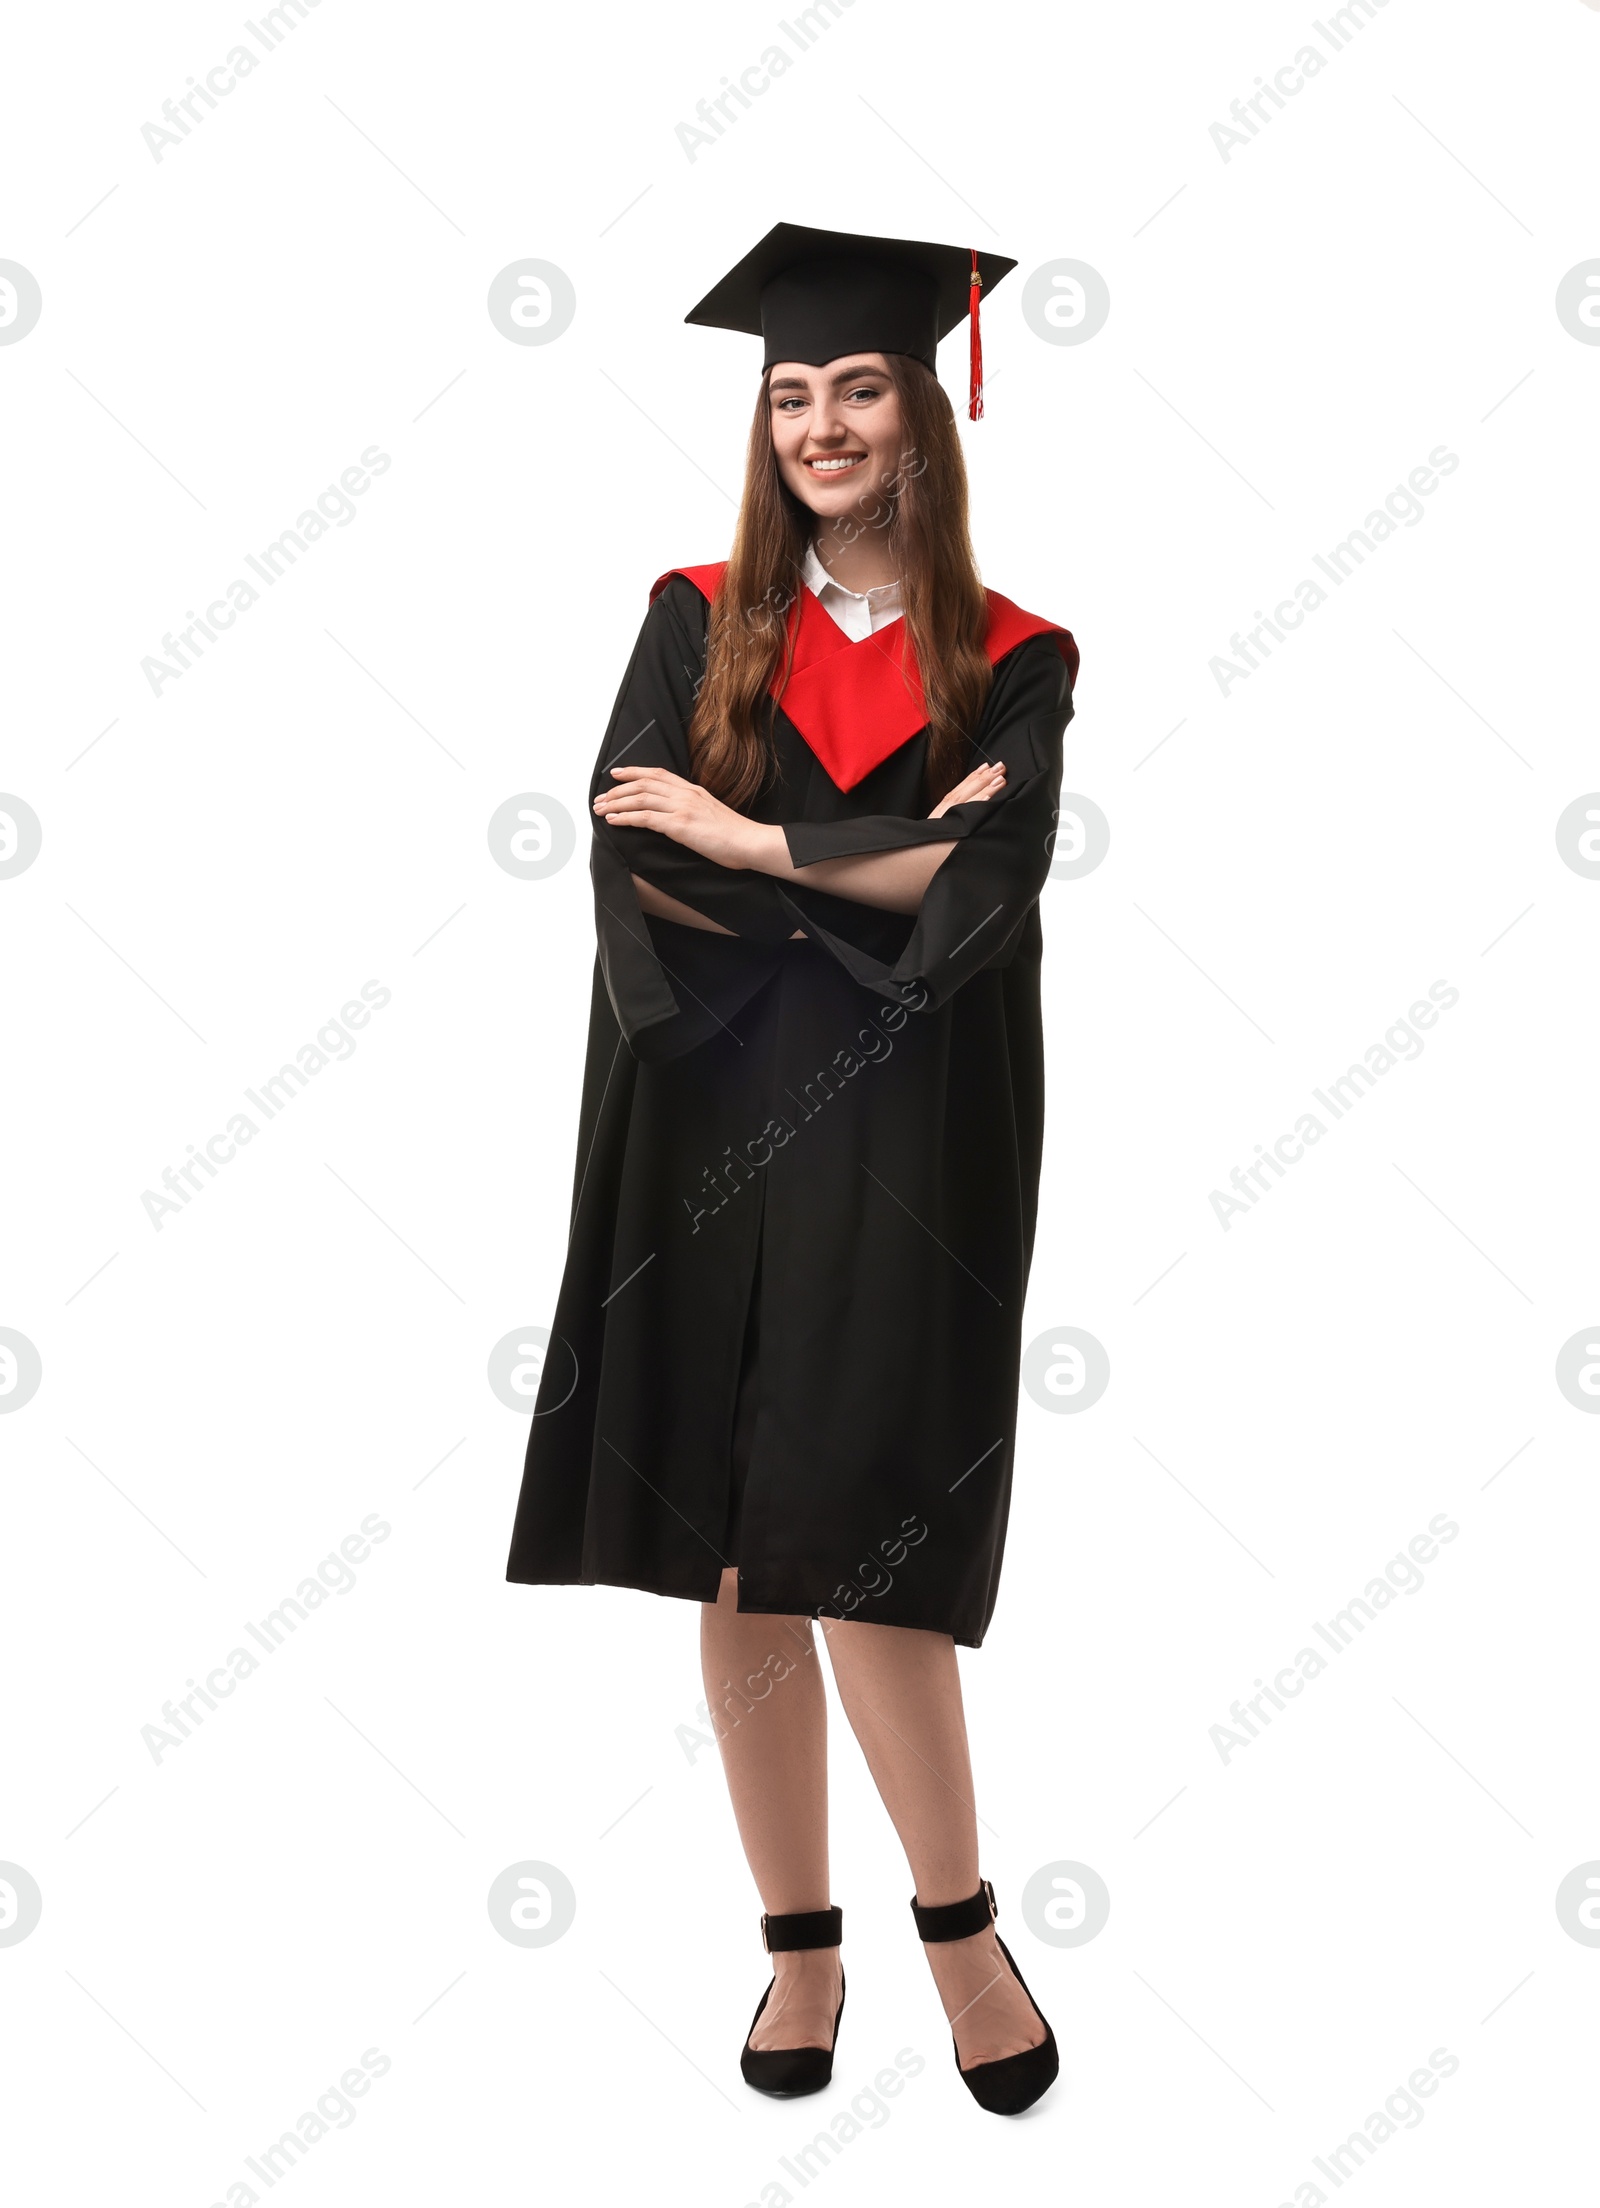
(817, 579)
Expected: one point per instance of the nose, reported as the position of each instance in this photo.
(828, 425)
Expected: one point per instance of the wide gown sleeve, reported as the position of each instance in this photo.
(980, 898)
(650, 728)
(665, 1005)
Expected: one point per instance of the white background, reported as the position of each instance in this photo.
(1291, 1933)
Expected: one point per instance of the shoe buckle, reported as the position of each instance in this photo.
(994, 1907)
(766, 1943)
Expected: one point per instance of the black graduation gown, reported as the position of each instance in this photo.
(788, 1332)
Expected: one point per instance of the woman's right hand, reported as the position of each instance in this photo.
(982, 782)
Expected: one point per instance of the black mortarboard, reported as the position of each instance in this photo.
(813, 295)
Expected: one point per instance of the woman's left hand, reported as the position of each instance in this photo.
(654, 797)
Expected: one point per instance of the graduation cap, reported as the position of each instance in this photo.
(814, 295)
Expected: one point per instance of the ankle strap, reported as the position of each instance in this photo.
(956, 1920)
(802, 1928)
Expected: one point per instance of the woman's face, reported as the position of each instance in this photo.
(836, 432)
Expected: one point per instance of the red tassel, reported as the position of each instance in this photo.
(975, 390)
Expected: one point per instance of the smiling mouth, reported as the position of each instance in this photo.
(836, 464)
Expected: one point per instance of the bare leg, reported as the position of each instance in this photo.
(764, 1688)
(902, 1694)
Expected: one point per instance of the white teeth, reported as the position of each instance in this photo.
(832, 465)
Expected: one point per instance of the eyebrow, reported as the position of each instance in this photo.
(845, 375)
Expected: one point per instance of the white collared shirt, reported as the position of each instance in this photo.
(857, 612)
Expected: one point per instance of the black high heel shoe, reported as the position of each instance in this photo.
(787, 2072)
(1014, 2082)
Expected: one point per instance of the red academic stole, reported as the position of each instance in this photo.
(854, 702)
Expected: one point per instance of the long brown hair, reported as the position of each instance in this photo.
(754, 614)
